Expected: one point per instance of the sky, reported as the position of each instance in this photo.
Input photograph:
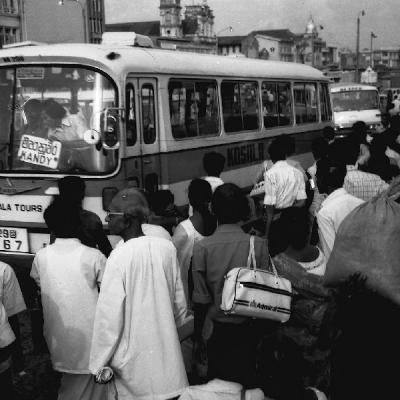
(338, 18)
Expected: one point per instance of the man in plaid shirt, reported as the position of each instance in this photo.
(363, 185)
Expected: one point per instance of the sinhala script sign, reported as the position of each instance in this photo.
(39, 151)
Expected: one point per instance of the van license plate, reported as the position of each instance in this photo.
(14, 239)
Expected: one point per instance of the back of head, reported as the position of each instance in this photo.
(345, 151)
(229, 204)
(33, 105)
(359, 132)
(53, 109)
(72, 189)
(199, 193)
(63, 219)
(319, 148)
(328, 133)
(160, 200)
(213, 163)
(395, 123)
(132, 203)
(278, 149)
(330, 175)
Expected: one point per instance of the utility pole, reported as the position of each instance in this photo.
(373, 36)
(361, 13)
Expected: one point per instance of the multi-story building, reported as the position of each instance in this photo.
(194, 32)
(11, 12)
(281, 45)
(388, 56)
(64, 21)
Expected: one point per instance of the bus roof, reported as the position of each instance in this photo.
(338, 87)
(125, 59)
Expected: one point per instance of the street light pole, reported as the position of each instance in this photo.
(373, 36)
(85, 31)
(361, 13)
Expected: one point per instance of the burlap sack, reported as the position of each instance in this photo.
(368, 241)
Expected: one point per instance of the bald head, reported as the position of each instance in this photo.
(132, 203)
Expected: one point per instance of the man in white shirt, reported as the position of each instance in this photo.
(284, 188)
(13, 301)
(140, 307)
(68, 274)
(336, 207)
(7, 337)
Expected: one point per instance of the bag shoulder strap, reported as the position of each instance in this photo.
(251, 259)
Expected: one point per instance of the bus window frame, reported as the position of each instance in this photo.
(195, 79)
(258, 98)
(58, 175)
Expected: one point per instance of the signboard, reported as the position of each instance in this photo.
(39, 151)
(14, 239)
(23, 208)
(30, 73)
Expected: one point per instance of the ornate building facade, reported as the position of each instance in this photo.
(189, 30)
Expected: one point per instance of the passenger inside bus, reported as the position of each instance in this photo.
(34, 123)
(61, 125)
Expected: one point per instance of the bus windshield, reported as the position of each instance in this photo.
(355, 100)
(50, 120)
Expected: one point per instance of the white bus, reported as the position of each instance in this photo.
(149, 116)
(354, 102)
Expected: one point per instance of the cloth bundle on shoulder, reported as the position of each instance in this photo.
(368, 242)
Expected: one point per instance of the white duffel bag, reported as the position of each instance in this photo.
(256, 293)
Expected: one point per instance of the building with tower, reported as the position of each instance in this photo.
(191, 29)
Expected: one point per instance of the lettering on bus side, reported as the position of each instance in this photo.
(245, 154)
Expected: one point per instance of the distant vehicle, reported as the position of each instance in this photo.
(354, 102)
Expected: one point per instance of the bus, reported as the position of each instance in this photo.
(354, 102)
(146, 118)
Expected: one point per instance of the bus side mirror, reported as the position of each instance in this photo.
(110, 128)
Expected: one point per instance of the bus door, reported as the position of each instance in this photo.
(142, 132)
(149, 134)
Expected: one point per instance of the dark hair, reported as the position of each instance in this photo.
(62, 219)
(296, 219)
(72, 189)
(278, 149)
(328, 133)
(213, 163)
(344, 151)
(200, 194)
(53, 109)
(359, 132)
(160, 200)
(229, 204)
(290, 144)
(319, 148)
(330, 174)
(34, 105)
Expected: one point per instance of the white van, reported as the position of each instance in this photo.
(354, 102)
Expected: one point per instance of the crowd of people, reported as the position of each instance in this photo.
(143, 320)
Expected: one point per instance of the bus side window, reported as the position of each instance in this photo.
(240, 105)
(148, 114)
(305, 102)
(193, 106)
(277, 108)
(326, 112)
(131, 133)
